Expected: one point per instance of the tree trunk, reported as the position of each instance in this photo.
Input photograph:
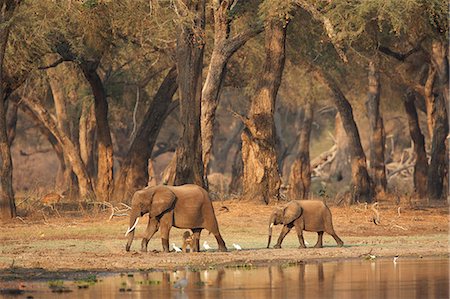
(438, 169)
(439, 159)
(429, 100)
(224, 48)
(134, 171)
(221, 156)
(104, 182)
(261, 180)
(340, 169)
(7, 204)
(59, 182)
(84, 181)
(300, 174)
(86, 135)
(421, 166)
(361, 188)
(190, 48)
(56, 85)
(377, 135)
(11, 120)
(236, 172)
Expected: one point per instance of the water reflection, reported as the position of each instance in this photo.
(408, 278)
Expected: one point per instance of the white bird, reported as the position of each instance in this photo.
(237, 246)
(371, 256)
(395, 259)
(177, 249)
(206, 246)
(181, 283)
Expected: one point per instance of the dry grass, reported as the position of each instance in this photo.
(87, 240)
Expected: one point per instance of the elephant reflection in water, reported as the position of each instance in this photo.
(313, 280)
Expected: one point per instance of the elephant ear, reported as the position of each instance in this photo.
(292, 211)
(163, 200)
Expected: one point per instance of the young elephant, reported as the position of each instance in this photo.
(309, 215)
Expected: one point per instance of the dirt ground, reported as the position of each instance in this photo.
(62, 246)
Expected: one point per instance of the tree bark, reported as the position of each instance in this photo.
(261, 180)
(224, 48)
(221, 157)
(190, 48)
(300, 174)
(104, 182)
(84, 181)
(429, 100)
(236, 172)
(438, 167)
(11, 120)
(134, 171)
(361, 188)
(377, 135)
(86, 136)
(421, 166)
(7, 203)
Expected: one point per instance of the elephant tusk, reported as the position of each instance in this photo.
(130, 229)
(271, 225)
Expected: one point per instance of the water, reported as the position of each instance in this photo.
(380, 278)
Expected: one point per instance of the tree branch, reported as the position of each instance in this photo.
(329, 29)
(53, 64)
(240, 39)
(399, 56)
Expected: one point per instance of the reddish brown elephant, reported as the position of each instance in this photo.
(308, 215)
(186, 207)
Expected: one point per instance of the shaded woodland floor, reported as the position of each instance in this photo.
(35, 248)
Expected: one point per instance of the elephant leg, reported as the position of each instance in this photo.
(338, 240)
(286, 229)
(301, 240)
(152, 228)
(196, 239)
(221, 242)
(166, 222)
(319, 240)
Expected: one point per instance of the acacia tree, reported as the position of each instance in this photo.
(300, 175)
(261, 180)
(7, 204)
(134, 171)
(421, 164)
(377, 135)
(361, 188)
(224, 47)
(189, 57)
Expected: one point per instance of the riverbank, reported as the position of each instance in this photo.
(68, 244)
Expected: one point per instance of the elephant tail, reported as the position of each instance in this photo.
(130, 229)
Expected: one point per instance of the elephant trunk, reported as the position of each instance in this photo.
(272, 221)
(134, 219)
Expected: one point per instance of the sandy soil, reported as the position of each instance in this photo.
(63, 246)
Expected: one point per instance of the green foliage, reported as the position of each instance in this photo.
(276, 9)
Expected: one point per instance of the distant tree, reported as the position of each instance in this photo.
(300, 174)
(261, 180)
(7, 204)
(225, 45)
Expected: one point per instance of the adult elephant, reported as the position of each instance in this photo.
(186, 206)
(309, 215)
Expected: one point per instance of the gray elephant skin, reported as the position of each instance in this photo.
(186, 207)
(308, 215)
